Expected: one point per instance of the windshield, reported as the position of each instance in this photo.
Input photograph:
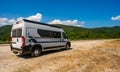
(64, 35)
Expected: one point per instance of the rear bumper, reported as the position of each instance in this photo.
(23, 50)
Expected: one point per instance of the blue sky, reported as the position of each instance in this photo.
(86, 13)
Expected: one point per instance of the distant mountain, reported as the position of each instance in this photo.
(74, 33)
(5, 33)
(91, 33)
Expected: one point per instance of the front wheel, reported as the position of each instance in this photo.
(67, 46)
(36, 52)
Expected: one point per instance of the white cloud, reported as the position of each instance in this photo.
(55, 22)
(20, 18)
(116, 18)
(68, 22)
(3, 21)
(11, 21)
(6, 21)
(38, 17)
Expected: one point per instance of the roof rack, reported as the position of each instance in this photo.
(41, 23)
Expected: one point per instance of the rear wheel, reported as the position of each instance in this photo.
(15, 52)
(36, 52)
(67, 46)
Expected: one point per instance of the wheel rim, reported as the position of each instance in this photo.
(36, 52)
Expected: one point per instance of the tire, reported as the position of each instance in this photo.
(15, 52)
(36, 52)
(67, 46)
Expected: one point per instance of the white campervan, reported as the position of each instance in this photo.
(34, 37)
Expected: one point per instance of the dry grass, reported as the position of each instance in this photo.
(103, 58)
(87, 56)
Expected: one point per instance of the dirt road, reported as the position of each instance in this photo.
(84, 56)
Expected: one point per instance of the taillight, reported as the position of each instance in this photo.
(23, 41)
(10, 40)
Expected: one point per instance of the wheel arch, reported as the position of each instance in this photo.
(37, 46)
(69, 43)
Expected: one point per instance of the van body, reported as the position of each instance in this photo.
(31, 37)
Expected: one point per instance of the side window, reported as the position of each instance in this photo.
(44, 33)
(49, 34)
(58, 34)
(19, 32)
(55, 34)
(64, 35)
(14, 33)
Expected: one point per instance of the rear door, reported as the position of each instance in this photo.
(16, 38)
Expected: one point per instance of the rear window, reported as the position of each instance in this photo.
(17, 32)
(14, 33)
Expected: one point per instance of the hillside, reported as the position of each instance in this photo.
(75, 33)
(5, 33)
(91, 33)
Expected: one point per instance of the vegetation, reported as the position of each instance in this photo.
(74, 33)
(5, 33)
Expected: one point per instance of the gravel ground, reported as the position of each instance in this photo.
(84, 56)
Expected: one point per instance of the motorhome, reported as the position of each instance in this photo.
(31, 37)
